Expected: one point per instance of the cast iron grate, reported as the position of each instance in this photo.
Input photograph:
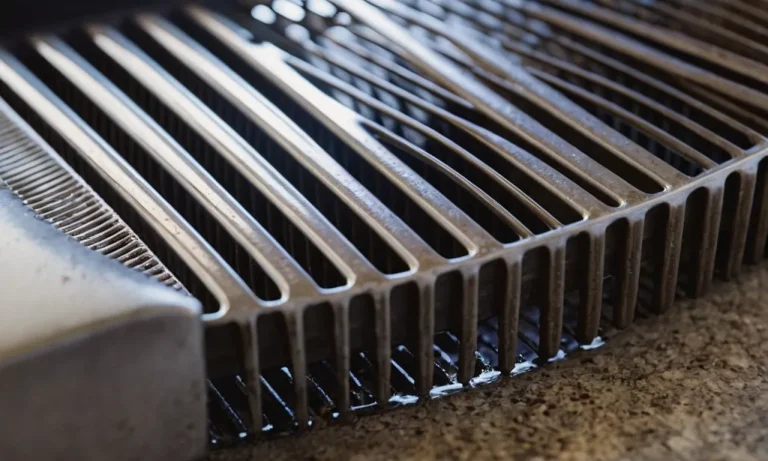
(381, 201)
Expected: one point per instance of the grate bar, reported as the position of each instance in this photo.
(591, 293)
(238, 152)
(232, 87)
(229, 213)
(469, 321)
(740, 222)
(531, 163)
(551, 315)
(753, 136)
(496, 107)
(509, 316)
(666, 37)
(491, 174)
(383, 332)
(706, 252)
(266, 60)
(759, 221)
(295, 330)
(522, 82)
(665, 282)
(644, 53)
(739, 11)
(213, 272)
(639, 98)
(685, 151)
(343, 355)
(397, 141)
(425, 356)
(542, 173)
(539, 171)
(518, 47)
(341, 38)
(686, 19)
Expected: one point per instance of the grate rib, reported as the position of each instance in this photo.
(497, 108)
(345, 122)
(232, 87)
(650, 56)
(666, 38)
(229, 290)
(238, 152)
(448, 139)
(516, 79)
(243, 227)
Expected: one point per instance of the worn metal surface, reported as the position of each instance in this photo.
(96, 362)
(355, 175)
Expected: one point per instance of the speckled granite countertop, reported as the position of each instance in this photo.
(691, 384)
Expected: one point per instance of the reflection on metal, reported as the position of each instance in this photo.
(342, 177)
(77, 323)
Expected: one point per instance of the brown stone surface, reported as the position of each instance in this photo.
(691, 384)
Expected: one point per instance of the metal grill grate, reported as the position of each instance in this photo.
(378, 201)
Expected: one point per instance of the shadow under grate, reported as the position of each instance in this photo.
(228, 405)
